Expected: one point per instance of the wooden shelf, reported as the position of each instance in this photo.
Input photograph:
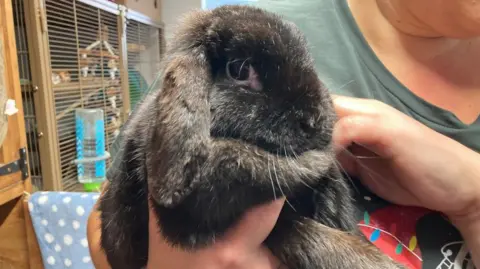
(98, 53)
(86, 84)
(133, 47)
(76, 104)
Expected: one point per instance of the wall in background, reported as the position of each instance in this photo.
(209, 4)
(151, 8)
(172, 10)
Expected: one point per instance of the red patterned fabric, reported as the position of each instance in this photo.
(392, 229)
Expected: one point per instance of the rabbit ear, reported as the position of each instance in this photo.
(125, 199)
(161, 146)
(181, 134)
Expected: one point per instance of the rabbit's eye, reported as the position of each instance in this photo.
(239, 70)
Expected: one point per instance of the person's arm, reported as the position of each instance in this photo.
(99, 259)
(470, 230)
(410, 164)
(241, 248)
(469, 224)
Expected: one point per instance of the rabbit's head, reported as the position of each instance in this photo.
(260, 76)
(237, 73)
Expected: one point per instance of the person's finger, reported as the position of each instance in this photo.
(347, 162)
(347, 106)
(255, 225)
(161, 253)
(365, 131)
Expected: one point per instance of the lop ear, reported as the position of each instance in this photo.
(180, 136)
(125, 198)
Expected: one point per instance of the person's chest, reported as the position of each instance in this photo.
(463, 103)
(453, 85)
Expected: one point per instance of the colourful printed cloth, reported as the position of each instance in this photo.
(416, 237)
(59, 220)
(392, 229)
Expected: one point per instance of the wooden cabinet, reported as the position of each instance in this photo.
(17, 239)
(55, 35)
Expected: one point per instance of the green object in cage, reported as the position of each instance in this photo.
(92, 187)
(138, 86)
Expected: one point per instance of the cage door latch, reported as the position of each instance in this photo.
(18, 165)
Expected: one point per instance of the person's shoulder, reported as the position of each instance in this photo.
(301, 12)
(326, 25)
(288, 5)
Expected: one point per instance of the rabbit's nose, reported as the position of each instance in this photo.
(308, 126)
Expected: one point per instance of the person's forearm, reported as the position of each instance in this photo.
(470, 231)
(469, 223)
(99, 259)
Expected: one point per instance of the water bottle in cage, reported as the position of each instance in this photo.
(90, 142)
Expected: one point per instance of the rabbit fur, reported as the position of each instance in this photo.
(240, 119)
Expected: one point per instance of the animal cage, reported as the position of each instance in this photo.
(143, 57)
(83, 56)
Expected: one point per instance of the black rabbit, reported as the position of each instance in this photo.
(241, 118)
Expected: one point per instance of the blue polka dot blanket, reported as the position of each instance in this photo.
(60, 223)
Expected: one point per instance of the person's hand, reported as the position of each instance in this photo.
(406, 162)
(240, 248)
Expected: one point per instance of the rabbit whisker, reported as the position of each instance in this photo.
(339, 165)
(289, 164)
(368, 171)
(271, 179)
(280, 187)
(345, 85)
(294, 162)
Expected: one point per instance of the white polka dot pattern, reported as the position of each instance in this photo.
(67, 240)
(84, 242)
(49, 238)
(80, 210)
(67, 200)
(42, 200)
(60, 223)
(51, 260)
(76, 225)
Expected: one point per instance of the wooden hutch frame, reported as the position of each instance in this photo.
(44, 100)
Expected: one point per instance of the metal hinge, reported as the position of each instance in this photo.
(18, 165)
